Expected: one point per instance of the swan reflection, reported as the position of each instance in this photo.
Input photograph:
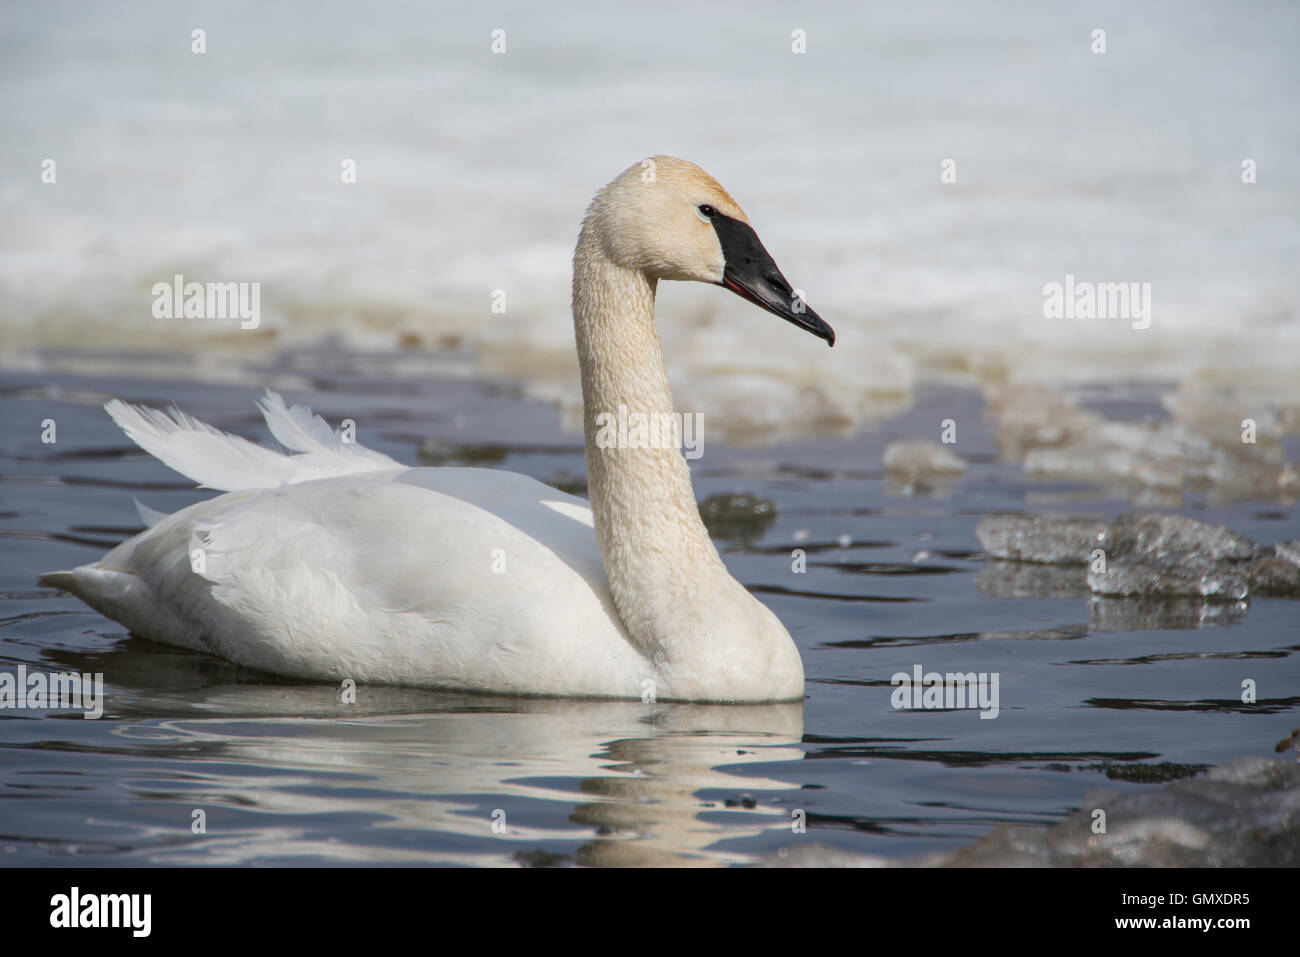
(423, 777)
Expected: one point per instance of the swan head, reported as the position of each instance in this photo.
(668, 219)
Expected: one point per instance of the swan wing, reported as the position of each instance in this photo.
(444, 577)
(219, 460)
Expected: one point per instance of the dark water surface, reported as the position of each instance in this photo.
(1091, 692)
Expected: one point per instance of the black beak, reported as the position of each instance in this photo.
(751, 274)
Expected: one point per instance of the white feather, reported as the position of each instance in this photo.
(296, 428)
(218, 460)
(149, 516)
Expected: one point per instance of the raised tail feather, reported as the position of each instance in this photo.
(64, 580)
(218, 460)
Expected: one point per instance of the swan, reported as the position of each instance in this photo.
(338, 562)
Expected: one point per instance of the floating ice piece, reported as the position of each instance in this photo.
(1027, 416)
(1124, 452)
(1204, 447)
(1288, 551)
(919, 459)
(1145, 554)
(1152, 580)
(1245, 813)
(737, 516)
(1153, 536)
(1045, 539)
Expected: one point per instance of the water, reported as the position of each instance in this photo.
(473, 170)
(1128, 696)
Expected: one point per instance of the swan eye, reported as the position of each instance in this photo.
(707, 211)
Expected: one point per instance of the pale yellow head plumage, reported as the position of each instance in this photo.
(666, 218)
(649, 220)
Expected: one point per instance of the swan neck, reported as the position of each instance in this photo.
(657, 552)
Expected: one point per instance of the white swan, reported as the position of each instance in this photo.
(339, 562)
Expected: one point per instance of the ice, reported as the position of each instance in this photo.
(1027, 416)
(1288, 551)
(737, 517)
(1144, 554)
(919, 465)
(1193, 573)
(921, 459)
(1164, 538)
(1156, 609)
(448, 208)
(1271, 575)
(1045, 539)
(1245, 813)
(1148, 581)
(1153, 456)
(1203, 447)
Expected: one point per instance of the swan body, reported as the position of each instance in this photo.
(335, 561)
